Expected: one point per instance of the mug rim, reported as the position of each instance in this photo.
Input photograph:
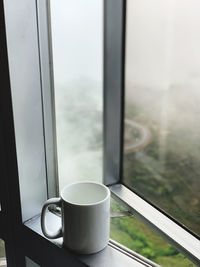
(89, 204)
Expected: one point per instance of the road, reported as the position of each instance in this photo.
(145, 137)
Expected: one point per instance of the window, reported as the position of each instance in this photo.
(162, 144)
(28, 139)
(78, 71)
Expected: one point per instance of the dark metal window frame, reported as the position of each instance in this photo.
(20, 239)
(114, 58)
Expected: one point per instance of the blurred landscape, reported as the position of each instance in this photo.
(166, 171)
(79, 131)
(162, 96)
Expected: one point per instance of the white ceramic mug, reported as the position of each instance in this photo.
(85, 212)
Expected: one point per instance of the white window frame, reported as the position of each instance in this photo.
(22, 240)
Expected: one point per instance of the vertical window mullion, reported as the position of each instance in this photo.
(114, 31)
(47, 92)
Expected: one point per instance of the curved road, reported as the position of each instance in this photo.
(145, 137)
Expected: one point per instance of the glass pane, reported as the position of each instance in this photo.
(2, 254)
(134, 234)
(77, 37)
(162, 133)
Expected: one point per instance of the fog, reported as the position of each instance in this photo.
(162, 76)
(77, 37)
(163, 67)
(162, 82)
(163, 40)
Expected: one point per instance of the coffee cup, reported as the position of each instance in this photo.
(85, 212)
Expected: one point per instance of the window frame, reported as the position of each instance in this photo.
(113, 109)
(10, 206)
(48, 96)
(13, 231)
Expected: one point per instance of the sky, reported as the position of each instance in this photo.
(77, 31)
(163, 40)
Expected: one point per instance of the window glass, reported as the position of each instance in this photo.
(77, 38)
(162, 130)
(3, 262)
(134, 234)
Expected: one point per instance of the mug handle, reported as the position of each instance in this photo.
(58, 233)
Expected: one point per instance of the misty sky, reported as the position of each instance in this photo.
(163, 40)
(77, 29)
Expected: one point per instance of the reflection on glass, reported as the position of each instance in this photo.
(77, 38)
(134, 234)
(162, 129)
(2, 254)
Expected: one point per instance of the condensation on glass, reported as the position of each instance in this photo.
(3, 262)
(77, 40)
(162, 82)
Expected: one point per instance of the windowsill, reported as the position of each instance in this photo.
(110, 256)
(114, 255)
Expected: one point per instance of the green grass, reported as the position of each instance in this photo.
(134, 234)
